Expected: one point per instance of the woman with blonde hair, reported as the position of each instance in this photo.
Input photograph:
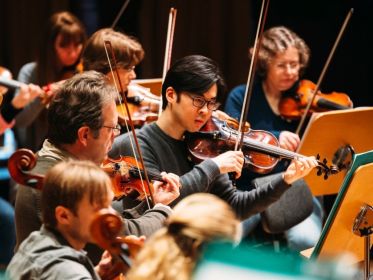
(172, 252)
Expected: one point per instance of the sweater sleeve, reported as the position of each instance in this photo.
(248, 203)
(146, 224)
(29, 113)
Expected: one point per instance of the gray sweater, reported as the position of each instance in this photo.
(139, 221)
(31, 122)
(163, 153)
(47, 255)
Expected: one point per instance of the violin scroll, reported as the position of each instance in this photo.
(106, 228)
(19, 163)
(323, 168)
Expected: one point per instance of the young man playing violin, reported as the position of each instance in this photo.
(282, 58)
(83, 122)
(73, 192)
(191, 92)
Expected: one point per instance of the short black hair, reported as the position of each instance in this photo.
(195, 74)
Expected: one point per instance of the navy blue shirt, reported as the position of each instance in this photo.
(260, 117)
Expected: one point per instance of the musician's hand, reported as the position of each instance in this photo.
(26, 94)
(106, 267)
(231, 161)
(165, 193)
(109, 268)
(299, 168)
(134, 243)
(289, 140)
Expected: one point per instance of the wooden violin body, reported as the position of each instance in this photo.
(125, 177)
(260, 148)
(142, 104)
(293, 104)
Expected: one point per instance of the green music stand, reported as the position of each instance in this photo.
(356, 192)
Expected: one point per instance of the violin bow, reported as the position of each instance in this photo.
(168, 49)
(121, 11)
(107, 45)
(250, 78)
(326, 65)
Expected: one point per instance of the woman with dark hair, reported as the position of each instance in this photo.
(59, 54)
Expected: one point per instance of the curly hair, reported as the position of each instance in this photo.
(276, 40)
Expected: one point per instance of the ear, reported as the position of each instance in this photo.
(63, 215)
(171, 95)
(83, 134)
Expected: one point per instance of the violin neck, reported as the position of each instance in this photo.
(330, 105)
(152, 176)
(125, 255)
(271, 150)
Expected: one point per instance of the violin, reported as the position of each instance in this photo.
(260, 148)
(19, 163)
(293, 103)
(143, 106)
(126, 177)
(106, 229)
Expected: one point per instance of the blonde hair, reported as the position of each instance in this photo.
(67, 183)
(171, 253)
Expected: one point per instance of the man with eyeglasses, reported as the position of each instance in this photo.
(82, 124)
(191, 91)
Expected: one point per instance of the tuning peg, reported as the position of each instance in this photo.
(317, 156)
(334, 169)
(319, 171)
(326, 176)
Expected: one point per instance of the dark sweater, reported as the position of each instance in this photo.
(163, 153)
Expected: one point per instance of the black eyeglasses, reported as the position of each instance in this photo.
(116, 129)
(199, 102)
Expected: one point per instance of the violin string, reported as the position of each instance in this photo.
(249, 85)
(119, 97)
(124, 7)
(326, 65)
(168, 49)
(133, 130)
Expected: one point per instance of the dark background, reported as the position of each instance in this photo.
(220, 29)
